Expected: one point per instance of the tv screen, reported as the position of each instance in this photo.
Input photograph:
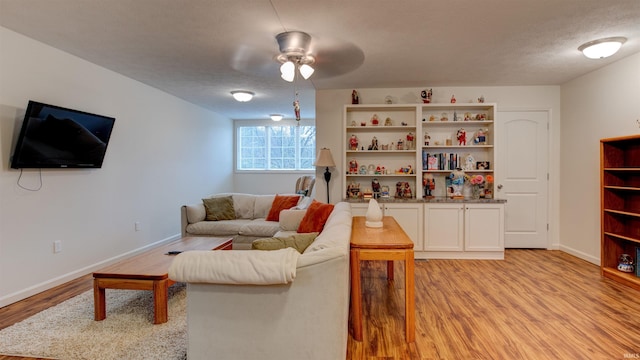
(57, 137)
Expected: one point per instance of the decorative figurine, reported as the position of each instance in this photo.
(481, 137)
(296, 109)
(426, 96)
(427, 139)
(461, 135)
(457, 183)
(432, 118)
(453, 99)
(429, 184)
(363, 170)
(388, 122)
(374, 144)
(455, 116)
(410, 139)
(444, 117)
(355, 98)
(388, 99)
(353, 123)
(384, 191)
(371, 169)
(467, 116)
(469, 162)
(378, 170)
(481, 99)
(625, 263)
(353, 142)
(375, 186)
(353, 190)
(400, 145)
(353, 166)
(375, 120)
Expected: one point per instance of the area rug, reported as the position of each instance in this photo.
(68, 331)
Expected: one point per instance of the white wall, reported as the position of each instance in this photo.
(601, 104)
(163, 152)
(329, 127)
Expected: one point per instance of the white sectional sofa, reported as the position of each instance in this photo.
(250, 224)
(246, 305)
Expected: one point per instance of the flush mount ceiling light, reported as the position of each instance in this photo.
(276, 117)
(294, 49)
(602, 48)
(242, 96)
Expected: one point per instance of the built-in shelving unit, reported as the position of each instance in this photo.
(434, 128)
(620, 205)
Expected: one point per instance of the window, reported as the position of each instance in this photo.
(271, 146)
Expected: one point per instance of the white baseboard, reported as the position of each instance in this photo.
(582, 255)
(46, 285)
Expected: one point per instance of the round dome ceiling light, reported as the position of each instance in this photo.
(602, 48)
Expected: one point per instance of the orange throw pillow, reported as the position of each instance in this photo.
(317, 214)
(281, 203)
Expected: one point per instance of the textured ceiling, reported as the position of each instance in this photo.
(200, 50)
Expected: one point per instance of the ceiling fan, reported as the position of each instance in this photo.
(317, 55)
(295, 55)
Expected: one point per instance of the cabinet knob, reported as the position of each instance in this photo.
(499, 186)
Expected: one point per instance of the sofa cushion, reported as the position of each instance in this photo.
(262, 206)
(290, 219)
(219, 208)
(218, 228)
(244, 204)
(195, 213)
(298, 241)
(315, 217)
(281, 202)
(259, 227)
(338, 225)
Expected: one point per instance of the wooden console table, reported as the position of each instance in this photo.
(148, 271)
(388, 243)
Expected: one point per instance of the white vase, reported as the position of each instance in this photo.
(374, 215)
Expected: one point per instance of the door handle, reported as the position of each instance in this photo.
(499, 186)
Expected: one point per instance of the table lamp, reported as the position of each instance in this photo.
(325, 160)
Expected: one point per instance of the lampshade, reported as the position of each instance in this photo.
(242, 96)
(602, 48)
(276, 117)
(306, 71)
(324, 158)
(287, 71)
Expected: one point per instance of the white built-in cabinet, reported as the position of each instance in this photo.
(463, 230)
(407, 215)
(439, 227)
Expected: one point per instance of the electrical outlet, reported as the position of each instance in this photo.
(57, 246)
(137, 225)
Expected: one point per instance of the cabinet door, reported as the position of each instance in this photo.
(360, 209)
(443, 227)
(409, 217)
(484, 227)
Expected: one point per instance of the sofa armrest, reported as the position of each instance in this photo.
(236, 267)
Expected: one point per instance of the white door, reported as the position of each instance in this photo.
(523, 159)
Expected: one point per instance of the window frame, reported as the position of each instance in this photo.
(268, 123)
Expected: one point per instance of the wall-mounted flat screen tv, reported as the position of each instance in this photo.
(56, 137)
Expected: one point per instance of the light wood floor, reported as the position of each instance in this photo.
(536, 304)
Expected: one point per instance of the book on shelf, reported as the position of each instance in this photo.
(439, 161)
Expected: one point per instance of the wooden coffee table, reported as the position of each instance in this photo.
(148, 271)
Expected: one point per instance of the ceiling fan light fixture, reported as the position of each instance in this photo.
(287, 71)
(602, 48)
(276, 117)
(242, 96)
(306, 71)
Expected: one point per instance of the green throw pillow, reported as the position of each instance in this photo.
(219, 208)
(298, 241)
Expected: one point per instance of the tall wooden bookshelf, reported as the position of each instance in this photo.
(620, 205)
